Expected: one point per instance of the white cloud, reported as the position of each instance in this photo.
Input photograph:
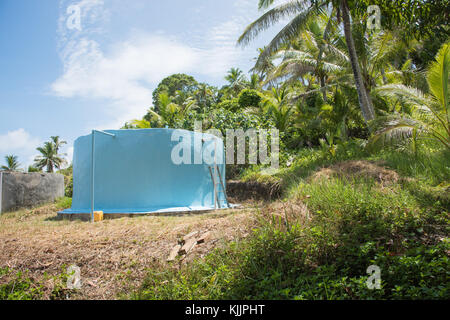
(19, 142)
(126, 71)
(126, 74)
(69, 154)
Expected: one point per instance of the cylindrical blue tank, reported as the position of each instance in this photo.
(135, 171)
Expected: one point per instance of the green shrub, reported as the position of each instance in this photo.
(350, 226)
(64, 203)
(249, 98)
(69, 188)
(33, 169)
(19, 287)
(229, 105)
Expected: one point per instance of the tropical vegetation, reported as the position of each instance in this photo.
(12, 163)
(339, 92)
(50, 158)
(364, 120)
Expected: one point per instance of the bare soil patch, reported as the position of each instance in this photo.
(253, 190)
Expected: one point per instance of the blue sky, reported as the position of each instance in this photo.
(58, 80)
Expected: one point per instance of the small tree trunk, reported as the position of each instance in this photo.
(319, 59)
(364, 101)
(324, 90)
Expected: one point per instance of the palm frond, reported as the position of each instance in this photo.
(289, 32)
(339, 54)
(414, 97)
(393, 129)
(270, 18)
(12, 164)
(409, 94)
(438, 77)
(263, 4)
(141, 124)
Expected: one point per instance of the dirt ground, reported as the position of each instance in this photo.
(113, 255)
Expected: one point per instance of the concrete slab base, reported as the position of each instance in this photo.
(67, 214)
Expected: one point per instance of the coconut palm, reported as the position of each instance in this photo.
(204, 96)
(383, 58)
(12, 164)
(255, 82)
(318, 56)
(430, 114)
(57, 142)
(311, 53)
(281, 116)
(236, 80)
(49, 158)
(275, 104)
(166, 115)
(262, 67)
(302, 11)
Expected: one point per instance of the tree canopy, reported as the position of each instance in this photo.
(177, 84)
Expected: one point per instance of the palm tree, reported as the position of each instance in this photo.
(363, 96)
(255, 82)
(281, 116)
(236, 80)
(49, 158)
(168, 113)
(311, 53)
(58, 143)
(262, 68)
(302, 11)
(11, 163)
(430, 113)
(204, 95)
(275, 105)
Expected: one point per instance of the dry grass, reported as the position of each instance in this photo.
(358, 169)
(113, 254)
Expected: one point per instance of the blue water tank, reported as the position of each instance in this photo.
(139, 171)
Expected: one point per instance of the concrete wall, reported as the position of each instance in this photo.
(23, 190)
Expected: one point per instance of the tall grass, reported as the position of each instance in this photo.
(323, 250)
(429, 165)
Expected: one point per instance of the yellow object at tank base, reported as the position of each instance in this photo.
(98, 216)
